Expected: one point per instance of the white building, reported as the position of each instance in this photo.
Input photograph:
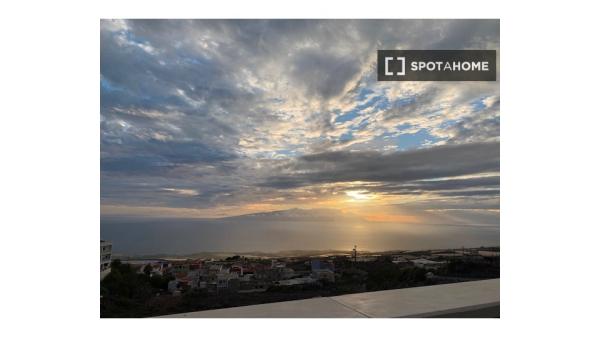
(225, 278)
(105, 256)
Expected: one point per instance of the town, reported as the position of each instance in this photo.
(152, 287)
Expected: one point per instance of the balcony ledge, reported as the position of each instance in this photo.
(465, 299)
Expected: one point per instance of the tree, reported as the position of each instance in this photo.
(115, 264)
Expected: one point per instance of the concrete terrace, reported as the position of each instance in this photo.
(466, 299)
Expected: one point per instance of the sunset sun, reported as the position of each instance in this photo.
(360, 195)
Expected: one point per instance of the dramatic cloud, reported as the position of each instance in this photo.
(436, 162)
(215, 118)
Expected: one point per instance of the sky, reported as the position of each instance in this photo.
(214, 120)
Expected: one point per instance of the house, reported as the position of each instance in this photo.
(105, 258)
(238, 269)
(274, 274)
(227, 280)
(214, 269)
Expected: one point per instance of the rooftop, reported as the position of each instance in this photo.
(465, 299)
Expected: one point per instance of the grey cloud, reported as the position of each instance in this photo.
(471, 193)
(483, 125)
(474, 186)
(322, 74)
(464, 34)
(436, 162)
(413, 106)
(442, 203)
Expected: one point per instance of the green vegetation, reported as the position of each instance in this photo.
(125, 292)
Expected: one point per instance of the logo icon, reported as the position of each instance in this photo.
(387, 66)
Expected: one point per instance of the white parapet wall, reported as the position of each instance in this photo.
(465, 299)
